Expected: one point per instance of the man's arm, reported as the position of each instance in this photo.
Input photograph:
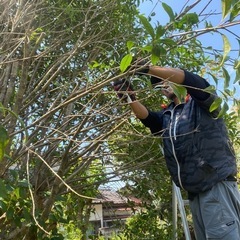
(139, 110)
(194, 83)
(150, 119)
(170, 74)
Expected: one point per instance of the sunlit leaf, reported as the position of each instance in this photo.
(2, 109)
(169, 11)
(130, 44)
(226, 78)
(226, 6)
(238, 46)
(235, 11)
(214, 78)
(95, 64)
(226, 48)
(224, 110)
(211, 89)
(148, 27)
(125, 62)
(237, 65)
(229, 92)
(215, 105)
(154, 59)
(147, 48)
(237, 78)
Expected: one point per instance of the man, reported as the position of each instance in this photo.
(198, 153)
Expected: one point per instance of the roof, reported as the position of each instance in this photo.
(110, 196)
(107, 196)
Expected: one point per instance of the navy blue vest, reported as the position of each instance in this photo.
(197, 149)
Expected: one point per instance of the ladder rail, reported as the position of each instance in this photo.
(178, 201)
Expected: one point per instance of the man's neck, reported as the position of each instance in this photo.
(176, 101)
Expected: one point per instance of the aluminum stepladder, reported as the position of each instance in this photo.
(178, 203)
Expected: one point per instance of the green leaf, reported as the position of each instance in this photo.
(3, 189)
(168, 41)
(154, 59)
(157, 52)
(190, 19)
(10, 213)
(3, 206)
(23, 183)
(237, 64)
(226, 48)
(2, 109)
(224, 110)
(226, 77)
(216, 104)
(169, 11)
(148, 27)
(179, 91)
(4, 139)
(211, 89)
(22, 193)
(26, 214)
(208, 25)
(160, 31)
(130, 44)
(226, 6)
(214, 78)
(17, 193)
(237, 78)
(95, 64)
(147, 48)
(235, 11)
(125, 62)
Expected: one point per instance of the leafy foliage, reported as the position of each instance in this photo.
(54, 115)
(3, 141)
(146, 225)
(61, 124)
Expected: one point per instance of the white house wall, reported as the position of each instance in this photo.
(97, 214)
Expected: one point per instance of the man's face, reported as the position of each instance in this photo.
(166, 89)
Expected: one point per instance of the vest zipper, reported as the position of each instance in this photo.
(173, 126)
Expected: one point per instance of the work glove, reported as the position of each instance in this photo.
(124, 90)
(140, 66)
(155, 80)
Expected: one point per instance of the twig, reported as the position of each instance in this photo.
(32, 197)
(64, 183)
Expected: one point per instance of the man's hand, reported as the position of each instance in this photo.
(124, 90)
(140, 66)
